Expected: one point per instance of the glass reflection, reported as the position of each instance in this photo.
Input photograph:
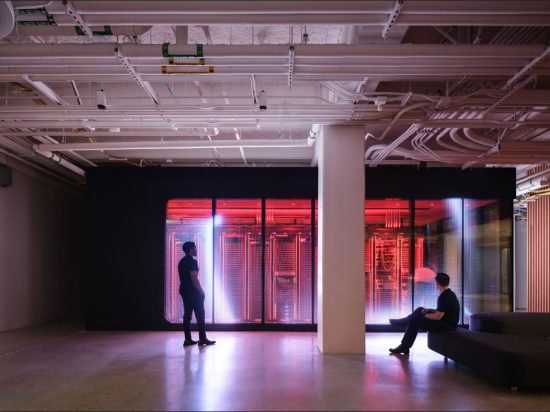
(230, 241)
(387, 260)
(288, 260)
(487, 256)
(187, 220)
(238, 258)
(438, 239)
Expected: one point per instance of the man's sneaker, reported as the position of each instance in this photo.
(400, 349)
(189, 342)
(206, 342)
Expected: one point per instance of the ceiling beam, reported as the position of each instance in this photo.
(179, 145)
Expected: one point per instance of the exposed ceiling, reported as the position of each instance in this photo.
(457, 83)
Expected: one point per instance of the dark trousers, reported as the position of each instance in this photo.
(417, 321)
(193, 303)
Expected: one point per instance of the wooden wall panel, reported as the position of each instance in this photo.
(538, 255)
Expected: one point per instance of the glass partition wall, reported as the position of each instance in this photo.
(258, 257)
(288, 261)
(487, 257)
(387, 259)
(438, 240)
(187, 220)
(238, 261)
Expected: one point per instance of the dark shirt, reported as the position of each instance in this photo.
(447, 302)
(187, 265)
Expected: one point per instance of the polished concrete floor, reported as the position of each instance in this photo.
(60, 367)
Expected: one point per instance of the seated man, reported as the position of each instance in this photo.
(445, 317)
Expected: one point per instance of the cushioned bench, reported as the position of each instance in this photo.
(508, 348)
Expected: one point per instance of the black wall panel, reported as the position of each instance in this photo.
(126, 221)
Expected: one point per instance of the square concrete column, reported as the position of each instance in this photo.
(341, 277)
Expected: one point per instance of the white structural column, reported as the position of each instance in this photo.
(341, 279)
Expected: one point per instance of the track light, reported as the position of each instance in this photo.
(262, 100)
(101, 99)
(45, 90)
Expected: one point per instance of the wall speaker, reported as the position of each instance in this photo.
(5, 176)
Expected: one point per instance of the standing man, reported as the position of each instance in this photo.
(192, 294)
(445, 317)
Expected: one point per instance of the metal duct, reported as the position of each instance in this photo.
(71, 31)
(7, 18)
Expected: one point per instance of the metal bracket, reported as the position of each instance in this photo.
(166, 53)
(75, 15)
(290, 65)
(164, 70)
(393, 18)
(136, 76)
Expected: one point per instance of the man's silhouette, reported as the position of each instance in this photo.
(445, 317)
(192, 294)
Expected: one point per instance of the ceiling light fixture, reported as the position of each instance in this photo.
(45, 90)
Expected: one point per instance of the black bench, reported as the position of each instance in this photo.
(511, 349)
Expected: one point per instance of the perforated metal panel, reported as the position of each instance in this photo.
(189, 220)
(288, 261)
(238, 270)
(387, 260)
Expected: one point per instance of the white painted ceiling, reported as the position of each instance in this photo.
(447, 83)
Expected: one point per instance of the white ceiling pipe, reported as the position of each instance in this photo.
(185, 145)
(300, 72)
(250, 121)
(74, 155)
(145, 114)
(234, 7)
(30, 4)
(325, 61)
(441, 7)
(214, 111)
(398, 116)
(231, 78)
(318, 72)
(23, 150)
(48, 139)
(158, 121)
(38, 166)
(473, 136)
(439, 138)
(68, 132)
(411, 154)
(7, 18)
(379, 20)
(62, 162)
(393, 145)
(70, 30)
(455, 137)
(246, 20)
(303, 51)
(453, 158)
(367, 112)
